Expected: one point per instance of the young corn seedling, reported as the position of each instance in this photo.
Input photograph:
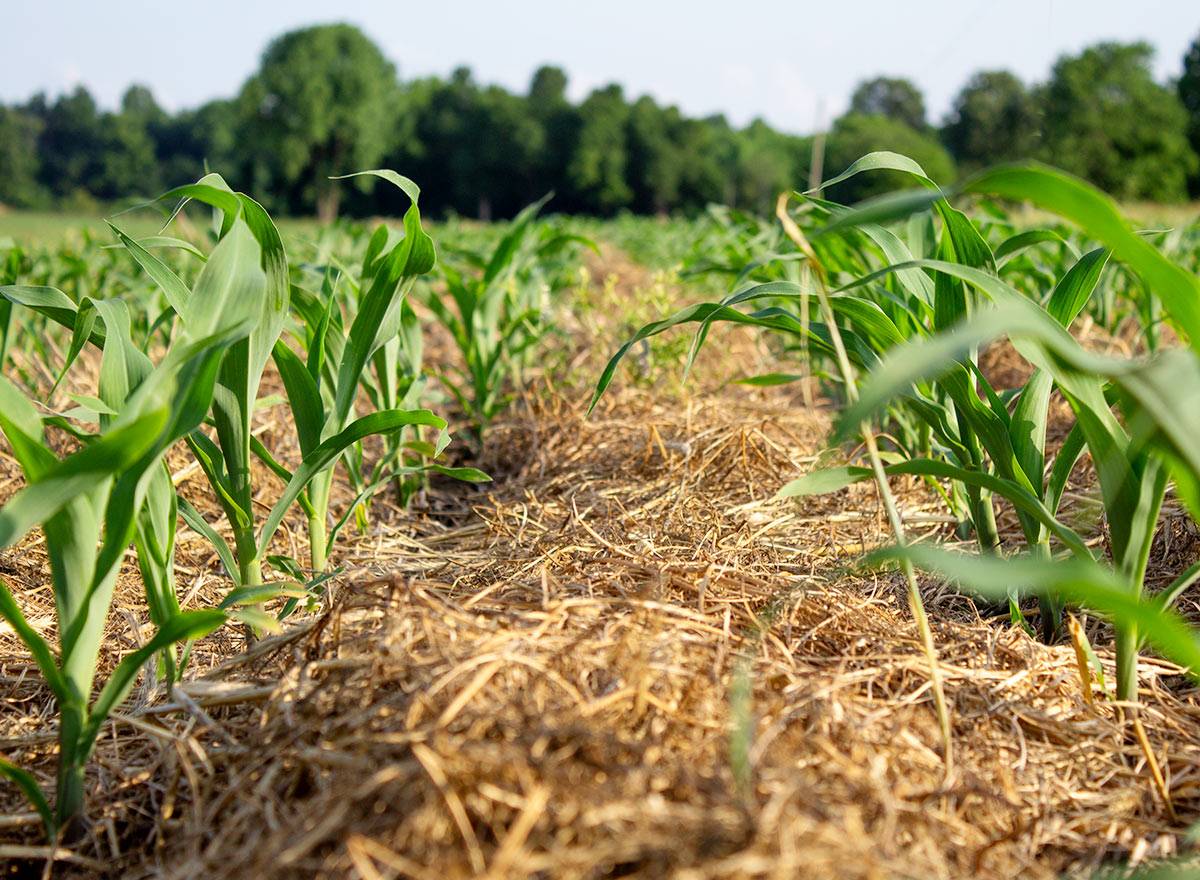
(987, 448)
(329, 297)
(91, 505)
(497, 316)
(325, 428)
(263, 293)
(876, 310)
(232, 286)
(1132, 465)
(963, 420)
(322, 389)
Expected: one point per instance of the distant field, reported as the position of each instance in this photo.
(42, 227)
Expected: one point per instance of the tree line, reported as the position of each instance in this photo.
(325, 100)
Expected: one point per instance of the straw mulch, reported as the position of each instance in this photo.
(620, 659)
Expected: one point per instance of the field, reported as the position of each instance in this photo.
(848, 542)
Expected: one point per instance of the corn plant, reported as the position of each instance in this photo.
(1133, 461)
(231, 286)
(496, 311)
(92, 504)
(322, 389)
(226, 460)
(914, 324)
(10, 271)
(957, 419)
(876, 310)
(983, 446)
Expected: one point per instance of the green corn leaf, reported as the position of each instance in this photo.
(824, 481)
(25, 781)
(1166, 597)
(211, 190)
(304, 397)
(1069, 453)
(106, 457)
(770, 380)
(380, 312)
(502, 257)
(1014, 245)
(1096, 214)
(1028, 426)
(172, 285)
(23, 427)
(882, 160)
(38, 648)
(197, 523)
(409, 188)
(256, 619)
(465, 474)
(155, 544)
(168, 242)
(230, 287)
(833, 479)
(1077, 580)
(260, 593)
(883, 209)
(329, 450)
(1075, 288)
(50, 302)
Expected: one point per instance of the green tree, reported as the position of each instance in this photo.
(853, 136)
(69, 143)
(894, 98)
(596, 172)
(509, 140)
(708, 149)
(1189, 94)
(19, 159)
(559, 121)
(443, 150)
(192, 142)
(321, 103)
(127, 157)
(768, 163)
(995, 119)
(1107, 120)
(548, 88)
(655, 166)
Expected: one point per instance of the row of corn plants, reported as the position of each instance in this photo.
(891, 302)
(162, 345)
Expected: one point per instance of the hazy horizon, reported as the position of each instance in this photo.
(794, 67)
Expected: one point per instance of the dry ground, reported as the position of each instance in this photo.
(620, 659)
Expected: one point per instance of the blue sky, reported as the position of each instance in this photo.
(790, 62)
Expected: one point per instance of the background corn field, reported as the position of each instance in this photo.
(230, 438)
(853, 530)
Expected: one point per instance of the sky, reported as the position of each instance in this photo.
(794, 63)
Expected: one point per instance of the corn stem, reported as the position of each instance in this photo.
(915, 602)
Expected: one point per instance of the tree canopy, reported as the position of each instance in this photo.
(857, 134)
(1189, 94)
(325, 100)
(896, 99)
(1107, 120)
(995, 119)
